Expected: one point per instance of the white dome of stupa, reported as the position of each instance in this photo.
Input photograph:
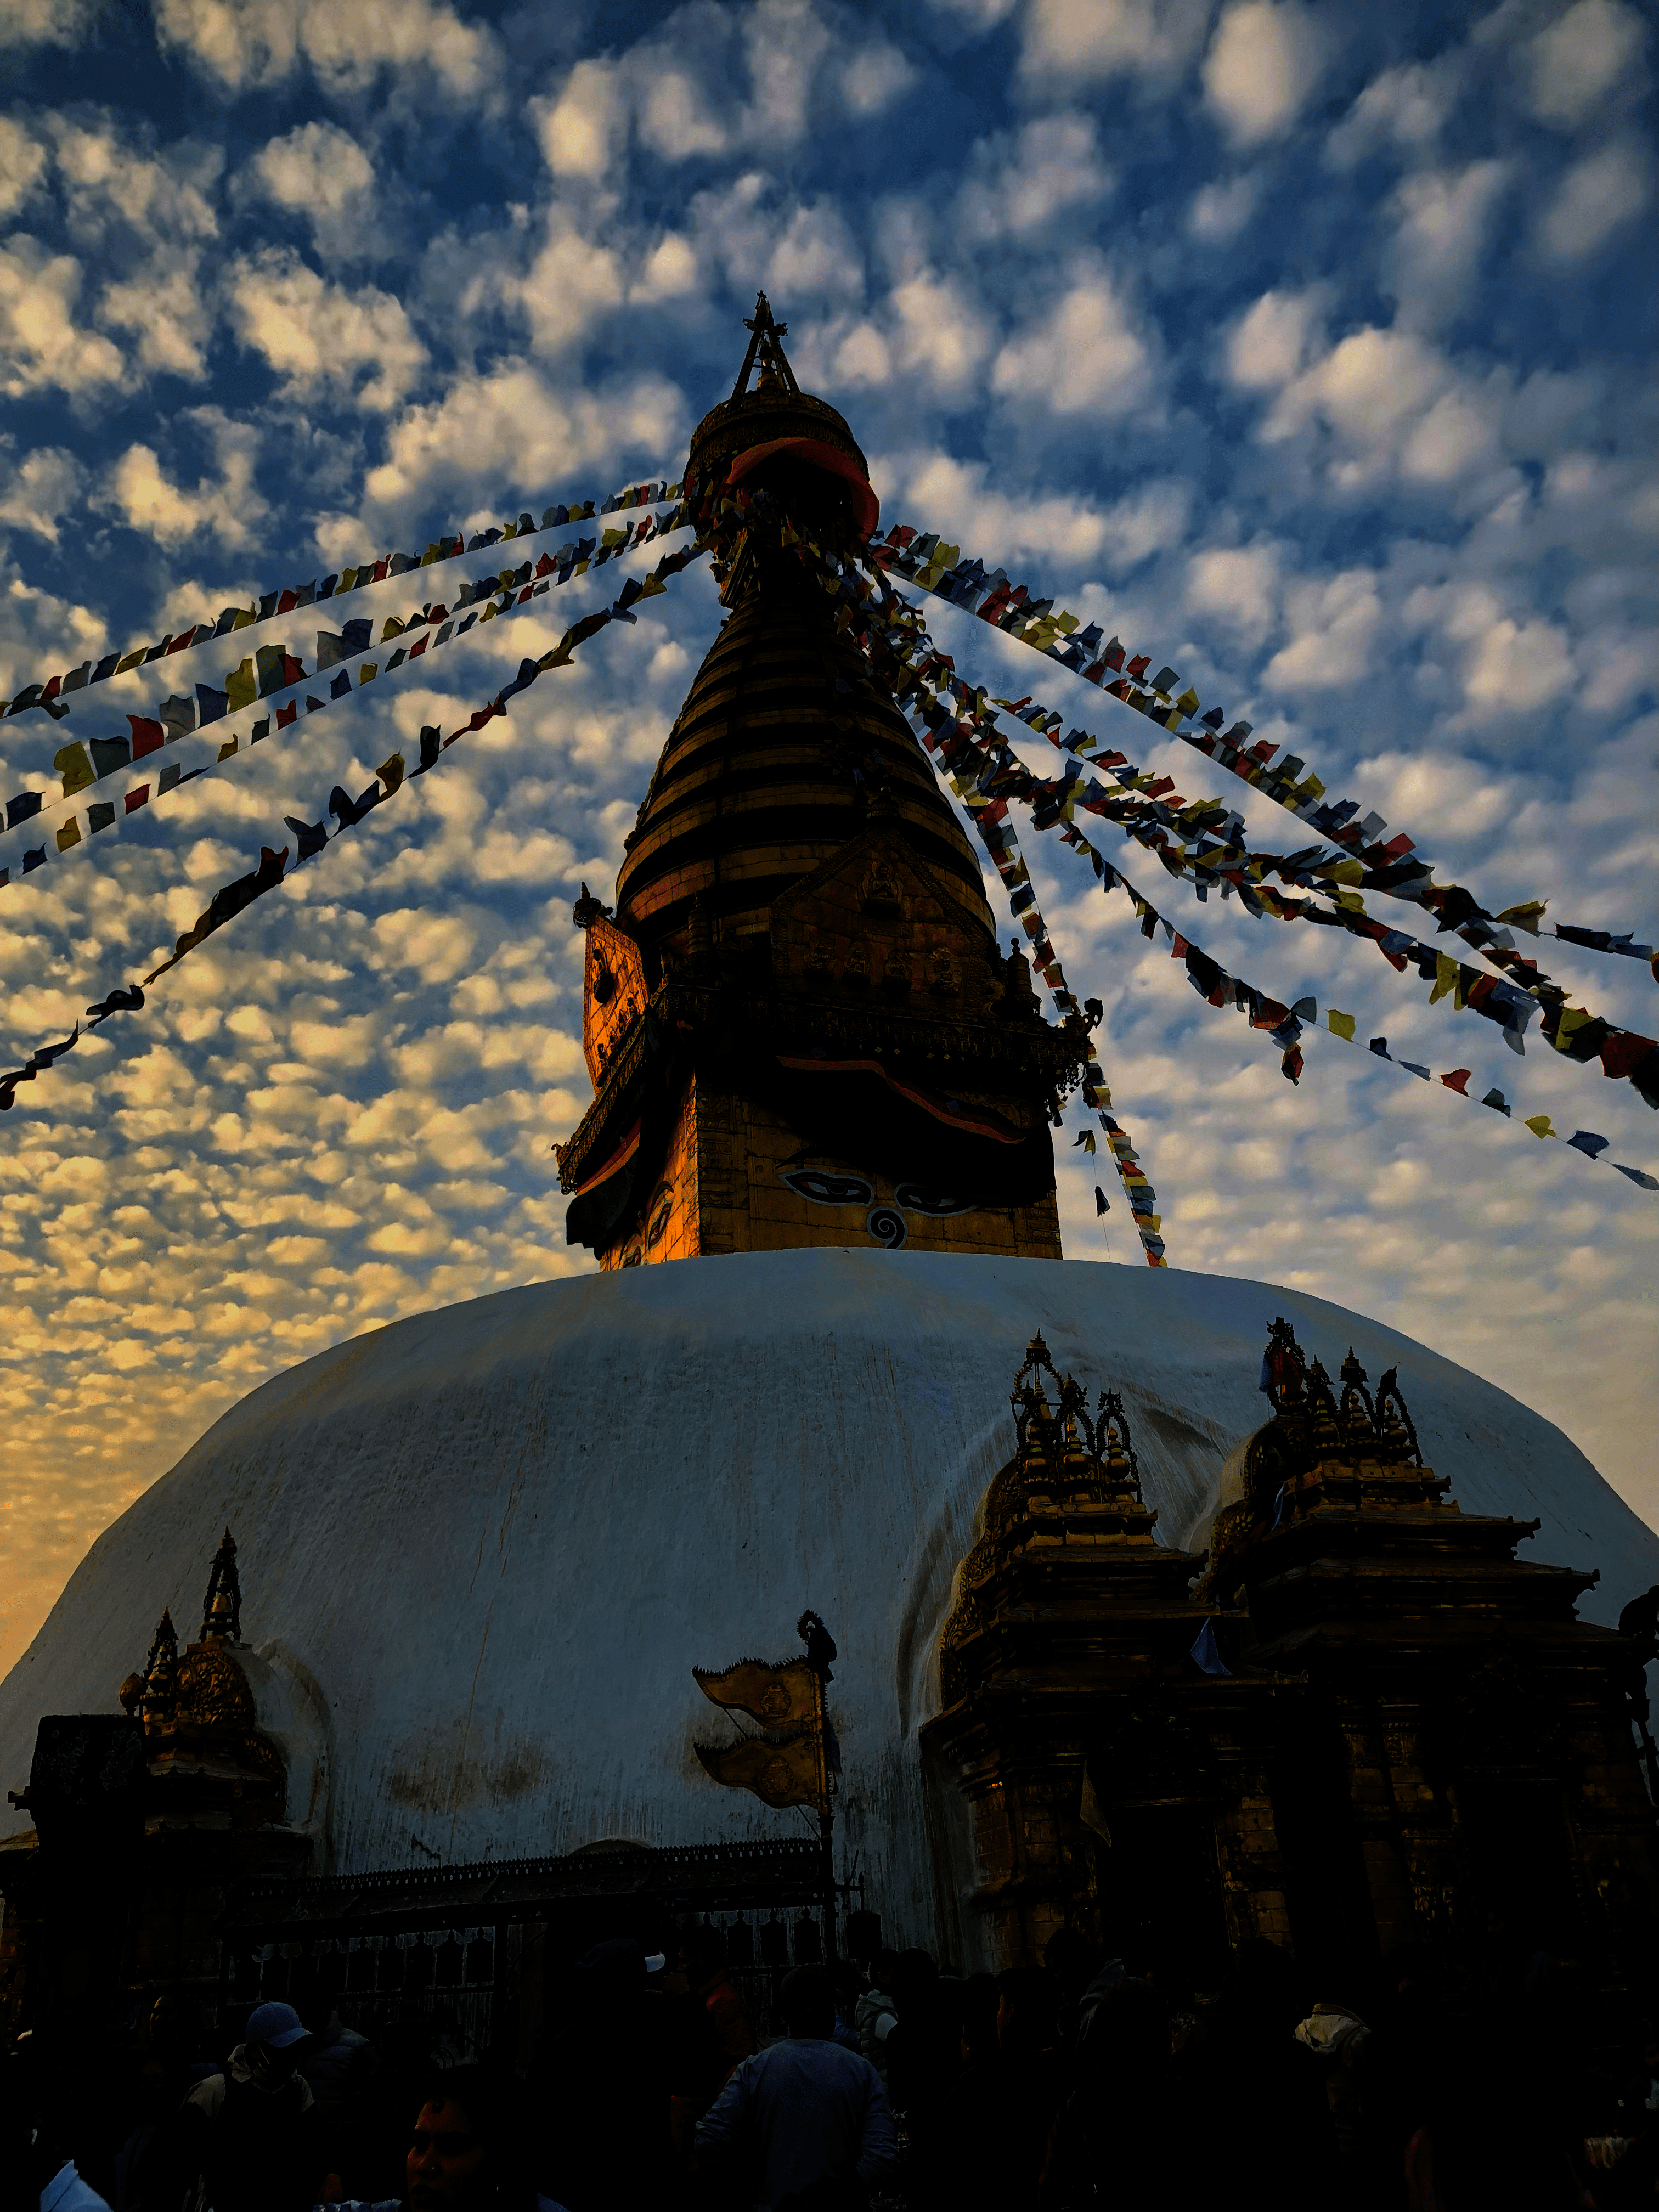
(481, 1549)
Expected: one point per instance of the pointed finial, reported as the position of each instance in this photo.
(222, 1608)
(161, 1691)
(765, 345)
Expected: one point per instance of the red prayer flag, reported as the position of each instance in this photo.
(148, 737)
(137, 796)
(1623, 1052)
(1456, 1080)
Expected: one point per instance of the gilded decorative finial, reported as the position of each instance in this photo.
(1322, 1406)
(161, 1691)
(765, 345)
(1397, 1429)
(1283, 1368)
(1358, 1411)
(222, 1608)
(1117, 1452)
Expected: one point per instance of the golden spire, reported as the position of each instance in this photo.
(222, 1608)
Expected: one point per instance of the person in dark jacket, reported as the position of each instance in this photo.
(923, 2049)
(254, 2143)
(608, 2143)
(1249, 2099)
(1112, 2131)
(806, 2123)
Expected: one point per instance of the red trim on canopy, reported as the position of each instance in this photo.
(817, 455)
(619, 1158)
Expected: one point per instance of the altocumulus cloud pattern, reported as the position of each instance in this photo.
(1305, 348)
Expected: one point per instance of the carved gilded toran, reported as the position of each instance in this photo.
(798, 1024)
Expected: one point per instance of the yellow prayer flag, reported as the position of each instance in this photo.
(69, 835)
(1344, 871)
(1526, 916)
(241, 686)
(1445, 978)
(1188, 701)
(1571, 1017)
(1341, 1024)
(227, 749)
(368, 672)
(391, 773)
(72, 764)
(245, 618)
(130, 659)
(394, 629)
(1540, 1124)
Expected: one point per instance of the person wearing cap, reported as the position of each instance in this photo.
(255, 2148)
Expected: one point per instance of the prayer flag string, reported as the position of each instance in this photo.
(1575, 1030)
(311, 837)
(1363, 858)
(894, 630)
(54, 695)
(999, 775)
(73, 832)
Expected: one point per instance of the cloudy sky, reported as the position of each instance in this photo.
(1309, 348)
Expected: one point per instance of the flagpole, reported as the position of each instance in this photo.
(825, 1835)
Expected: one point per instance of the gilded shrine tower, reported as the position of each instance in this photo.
(798, 1022)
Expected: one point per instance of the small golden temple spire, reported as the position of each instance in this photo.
(159, 1697)
(222, 1608)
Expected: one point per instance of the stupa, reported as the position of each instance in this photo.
(1121, 1648)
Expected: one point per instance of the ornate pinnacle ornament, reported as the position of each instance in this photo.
(766, 346)
(222, 1608)
(160, 1699)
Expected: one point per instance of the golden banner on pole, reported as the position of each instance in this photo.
(783, 1696)
(779, 1774)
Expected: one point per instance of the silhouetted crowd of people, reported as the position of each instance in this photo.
(879, 2080)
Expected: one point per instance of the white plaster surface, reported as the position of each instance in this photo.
(481, 1549)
